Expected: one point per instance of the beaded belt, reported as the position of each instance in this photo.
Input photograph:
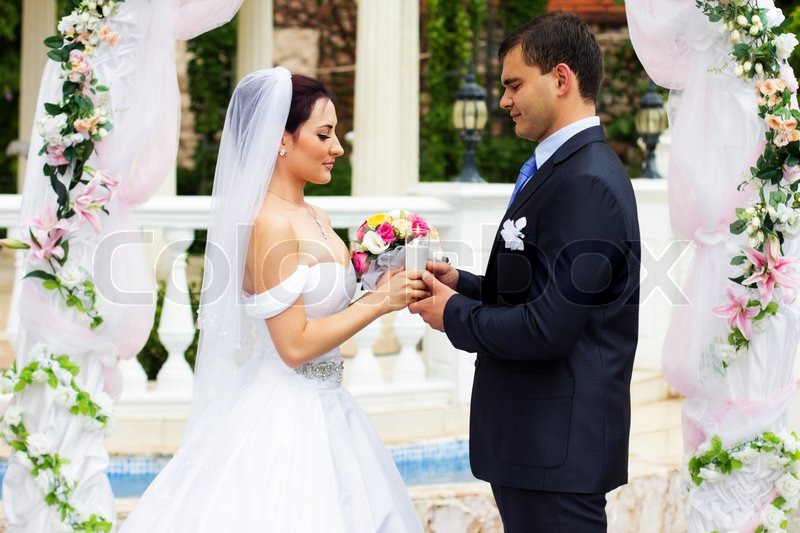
(322, 370)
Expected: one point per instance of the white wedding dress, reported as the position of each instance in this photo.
(288, 452)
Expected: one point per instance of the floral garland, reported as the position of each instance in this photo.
(760, 51)
(51, 471)
(713, 461)
(69, 129)
(767, 278)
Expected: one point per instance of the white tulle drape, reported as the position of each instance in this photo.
(140, 153)
(717, 136)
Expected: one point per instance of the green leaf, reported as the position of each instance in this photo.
(41, 274)
(737, 227)
(738, 260)
(53, 109)
(54, 41)
(50, 285)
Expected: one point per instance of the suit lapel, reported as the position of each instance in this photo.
(581, 139)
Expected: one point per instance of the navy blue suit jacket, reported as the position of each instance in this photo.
(555, 328)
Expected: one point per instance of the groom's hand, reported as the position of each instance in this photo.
(431, 309)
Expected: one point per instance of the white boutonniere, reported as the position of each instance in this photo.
(512, 233)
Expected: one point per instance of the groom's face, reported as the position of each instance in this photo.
(529, 97)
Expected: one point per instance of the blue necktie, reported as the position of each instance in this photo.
(525, 174)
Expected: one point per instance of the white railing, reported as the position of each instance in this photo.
(466, 216)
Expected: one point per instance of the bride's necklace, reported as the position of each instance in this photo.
(310, 212)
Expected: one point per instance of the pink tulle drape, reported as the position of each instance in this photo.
(140, 152)
(716, 136)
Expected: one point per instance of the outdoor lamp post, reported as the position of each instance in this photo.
(469, 118)
(651, 120)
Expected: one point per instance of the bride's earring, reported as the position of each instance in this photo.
(282, 152)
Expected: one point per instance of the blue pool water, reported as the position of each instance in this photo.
(419, 464)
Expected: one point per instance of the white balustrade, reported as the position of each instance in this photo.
(409, 329)
(466, 216)
(176, 327)
(364, 370)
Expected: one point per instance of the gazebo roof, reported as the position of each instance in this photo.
(592, 11)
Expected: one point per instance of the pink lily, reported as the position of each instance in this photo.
(737, 313)
(771, 270)
(86, 206)
(44, 232)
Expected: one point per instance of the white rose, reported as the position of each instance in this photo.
(39, 352)
(772, 517)
(747, 455)
(773, 461)
(13, 415)
(790, 443)
(66, 396)
(774, 15)
(105, 402)
(70, 275)
(45, 480)
(785, 44)
(710, 474)
(373, 242)
(39, 376)
(7, 385)
(38, 445)
(23, 459)
(789, 487)
(70, 474)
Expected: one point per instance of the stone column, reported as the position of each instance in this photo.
(254, 39)
(409, 96)
(386, 97)
(38, 23)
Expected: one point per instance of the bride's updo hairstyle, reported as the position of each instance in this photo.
(305, 93)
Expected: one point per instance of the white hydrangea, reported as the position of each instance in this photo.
(790, 443)
(50, 128)
(39, 376)
(788, 220)
(38, 445)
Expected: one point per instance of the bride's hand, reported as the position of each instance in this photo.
(401, 287)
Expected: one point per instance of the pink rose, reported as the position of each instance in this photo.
(791, 174)
(419, 226)
(55, 155)
(361, 231)
(360, 262)
(79, 66)
(386, 232)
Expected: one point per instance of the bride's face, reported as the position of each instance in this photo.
(310, 154)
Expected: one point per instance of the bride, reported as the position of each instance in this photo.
(274, 443)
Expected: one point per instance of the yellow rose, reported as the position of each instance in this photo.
(376, 220)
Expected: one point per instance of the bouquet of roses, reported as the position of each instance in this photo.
(384, 241)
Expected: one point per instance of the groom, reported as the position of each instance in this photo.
(554, 321)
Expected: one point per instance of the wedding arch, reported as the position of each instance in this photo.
(105, 137)
(734, 190)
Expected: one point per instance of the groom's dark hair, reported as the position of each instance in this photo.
(305, 93)
(555, 38)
